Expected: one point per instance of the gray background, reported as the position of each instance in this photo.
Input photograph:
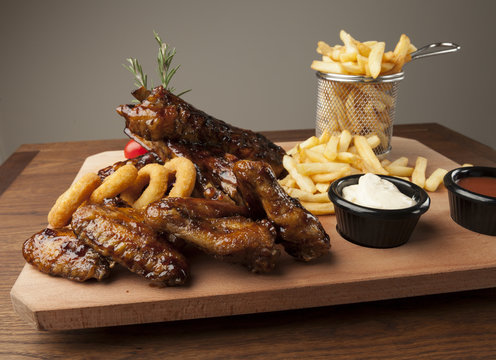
(248, 62)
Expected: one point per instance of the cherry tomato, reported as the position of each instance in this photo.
(133, 149)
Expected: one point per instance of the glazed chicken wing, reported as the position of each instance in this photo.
(121, 234)
(218, 229)
(58, 252)
(300, 232)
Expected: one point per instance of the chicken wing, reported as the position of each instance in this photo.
(121, 234)
(300, 232)
(217, 228)
(58, 252)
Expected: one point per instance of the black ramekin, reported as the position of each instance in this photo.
(377, 228)
(473, 211)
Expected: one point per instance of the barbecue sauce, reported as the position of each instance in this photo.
(484, 185)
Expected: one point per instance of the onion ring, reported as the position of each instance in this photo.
(155, 175)
(185, 176)
(115, 183)
(69, 201)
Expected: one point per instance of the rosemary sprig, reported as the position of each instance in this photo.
(164, 59)
(135, 68)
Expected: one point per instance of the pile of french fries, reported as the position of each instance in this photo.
(361, 108)
(367, 58)
(315, 163)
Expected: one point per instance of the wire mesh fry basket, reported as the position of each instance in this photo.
(363, 105)
(359, 104)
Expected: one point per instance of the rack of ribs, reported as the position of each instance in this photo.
(163, 116)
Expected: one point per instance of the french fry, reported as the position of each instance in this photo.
(291, 183)
(304, 182)
(314, 156)
(418, 175)
(319, 208)
(370, 43)
(318, 168)
(293, 150)
(322, 187)
(363, 62)
(331, 176)
(388, 57)
(306, 196)
(375, 59)
(331, 149)
(400, 53)
(336, 52)
(324, 138)
(310, 142)
(324, 49)
(385, 162)
(398, 170)
(401, 161)
(344, 141)
(351, 50)
(352, 67)
(374, 141)
(285, 180)
(318, 148)
(369, 159)
(436, 178)
(327, 67)
(347, 157)
(387, 67)
(364, 49)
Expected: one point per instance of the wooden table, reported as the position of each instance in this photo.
(448, 326)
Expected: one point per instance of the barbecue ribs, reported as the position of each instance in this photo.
(163, 116)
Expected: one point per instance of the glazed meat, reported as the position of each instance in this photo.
(200, 208)
(121, 235)
(299, 231)
(214, 176)
(218, 229)
(58, 252)
(138, 162)
(164, 116)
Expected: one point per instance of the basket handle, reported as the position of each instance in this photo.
(435, 49)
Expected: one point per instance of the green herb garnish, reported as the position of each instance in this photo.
(164, 59)
(135, 68)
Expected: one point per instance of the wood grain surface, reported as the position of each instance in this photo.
(449, 326)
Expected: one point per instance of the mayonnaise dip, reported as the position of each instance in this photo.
(375, 192)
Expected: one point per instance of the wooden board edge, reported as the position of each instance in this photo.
(23, 310)
(290, 299)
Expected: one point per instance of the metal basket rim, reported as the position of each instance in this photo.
(361, 79)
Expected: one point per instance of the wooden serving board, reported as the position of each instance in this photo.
(440, 257)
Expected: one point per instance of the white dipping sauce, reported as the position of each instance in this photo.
(374, 192)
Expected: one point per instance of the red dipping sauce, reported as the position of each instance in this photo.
(484, 185)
